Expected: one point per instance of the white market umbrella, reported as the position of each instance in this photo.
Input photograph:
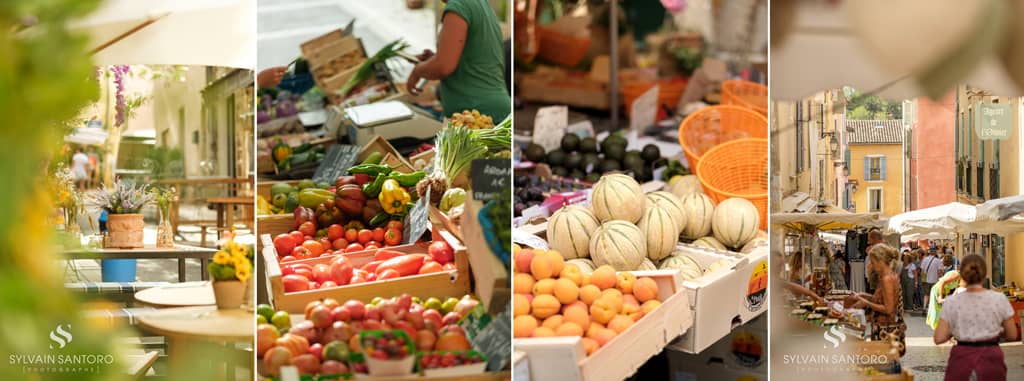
(822, 221)
(946, 218)
(173, 32)
(87, 136)
(1001, 208)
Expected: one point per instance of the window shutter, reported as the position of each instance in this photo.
(881, 162)
(867, 168)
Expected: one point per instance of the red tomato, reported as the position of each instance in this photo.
(287, 270)
(326, 244)
(430, 267)
(352, 235)
(365, 236)
(388, 274)
(378, 234)
(441, 252)
(392, 237)
(341, 270)
(287, 258)
(339, 244)
(307, 228)
(354, 248)
(304, 271)
(335, 231)
(302, 252)
(372, 246)
(449, 266)
(315, 248)
(394, 224)
(298, 237)
(284, 244)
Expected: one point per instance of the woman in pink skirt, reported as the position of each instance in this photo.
(976, 318)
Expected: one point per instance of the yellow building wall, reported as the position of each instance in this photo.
(892, 186)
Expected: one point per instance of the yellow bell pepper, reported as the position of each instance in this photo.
(393, 197)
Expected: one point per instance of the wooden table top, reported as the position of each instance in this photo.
(149, 251)
(232, 200)
(201, 323)
(178, 295)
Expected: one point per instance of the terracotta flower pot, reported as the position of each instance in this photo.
(229, 294)
(124, 231)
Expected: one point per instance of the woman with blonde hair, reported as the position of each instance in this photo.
(885, 306)
(976, 318)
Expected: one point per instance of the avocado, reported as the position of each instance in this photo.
(588, 144)
(574, 161)
(631, 159)
(307, 183)
(593, 177)
(281, 188)
(590, 162)
(559, 171)
(570, 142)
(556, 158)
(650, 153)
(614, 151)
(646, 174)
(609, 165)
(613, 139)
(535, 153)
(577, 174)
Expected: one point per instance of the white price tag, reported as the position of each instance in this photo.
(527, 239)
(549, 126)
(644, 110)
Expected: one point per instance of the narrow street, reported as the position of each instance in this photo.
(928, 362)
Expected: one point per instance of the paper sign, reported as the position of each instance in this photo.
(993, 121)
(417, 222)
(549, 126)
(526, 239)
(489, 178)
(644, 110)
(337, 161)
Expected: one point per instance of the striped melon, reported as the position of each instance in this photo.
(619, 244)
(735, 221)
(684, 186)
(569, 231)
(699, 209)
(671, 203)
(586, 266)
(688, 267)
(661, 231)
(617, 197)
(647, 265)
(710, 243)
(720, 264)
(753, 244)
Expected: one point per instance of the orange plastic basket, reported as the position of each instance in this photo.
(711, 126)
(561, 49)
(747, 94)
(669, 92)
(738, 168)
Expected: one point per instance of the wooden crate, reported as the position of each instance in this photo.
(312, 45)
(343, 53)
(492, 280)
(391, 155)
(273, 225)
(576, 91)
(452, 283)
(622, 356)
(263, 187)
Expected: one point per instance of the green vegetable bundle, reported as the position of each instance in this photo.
(365, 70)
(457, 147)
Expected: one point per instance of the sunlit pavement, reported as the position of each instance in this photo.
(928, 362)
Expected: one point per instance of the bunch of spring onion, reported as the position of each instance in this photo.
(366, 70)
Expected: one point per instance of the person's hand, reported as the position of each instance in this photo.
(271, 77)
(414, 79)
(425, 55)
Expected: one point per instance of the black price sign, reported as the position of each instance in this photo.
(337, 161)
(417, 222)
(489, 177)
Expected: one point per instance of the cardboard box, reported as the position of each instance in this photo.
(744, 348)
(687, 367)
(554, 358)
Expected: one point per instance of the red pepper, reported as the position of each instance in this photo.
(385, 254)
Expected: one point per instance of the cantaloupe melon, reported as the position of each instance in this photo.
(699, 210)
(569, 231)
(647, 265)
(710, 243)
(719, 264)
(617, 197)
(671, 203)
(688, 267)
(735, 222)
(685, 185)
(661, 232)
(586, 266)
(619, 244)
(753, 244)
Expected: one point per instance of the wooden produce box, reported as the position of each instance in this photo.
(439, 218)
(391, 155)
(744, 283)
(272, 225)
(551, 358)
(556, 86)
(263, 187)
(451, 283)
(492, 280)
(311, 46)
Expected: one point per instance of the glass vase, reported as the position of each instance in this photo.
(164, 231)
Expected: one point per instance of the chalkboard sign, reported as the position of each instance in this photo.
(495, 341)
(417, 222)
(337, 161)
(489, 177)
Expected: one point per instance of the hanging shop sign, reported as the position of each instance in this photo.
(994, 121)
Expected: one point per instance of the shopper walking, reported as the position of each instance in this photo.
(80, 168)
(930, 266)
(885, 306)
(907, 278)
(837, 271)
(976, 318)
(470, 61)
(944, 286)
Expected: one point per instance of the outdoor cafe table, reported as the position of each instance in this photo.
(226, 208)
(179, 252)
(190, 329)
(178, 295)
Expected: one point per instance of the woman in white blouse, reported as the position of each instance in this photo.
(976, 318)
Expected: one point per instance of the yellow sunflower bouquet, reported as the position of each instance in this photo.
(232, 262)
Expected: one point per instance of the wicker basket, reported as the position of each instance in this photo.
(669, 92)
(738, 168)
(125, 231)
(711, 126)
(746, 94)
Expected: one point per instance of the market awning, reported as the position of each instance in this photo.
(833, 220)
(173, 32)
(87, 136)
(1001, 208)
(954, 217)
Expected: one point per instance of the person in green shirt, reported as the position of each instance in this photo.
(948, 284)
(470, 61)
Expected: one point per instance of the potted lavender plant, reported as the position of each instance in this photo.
(123, 204)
